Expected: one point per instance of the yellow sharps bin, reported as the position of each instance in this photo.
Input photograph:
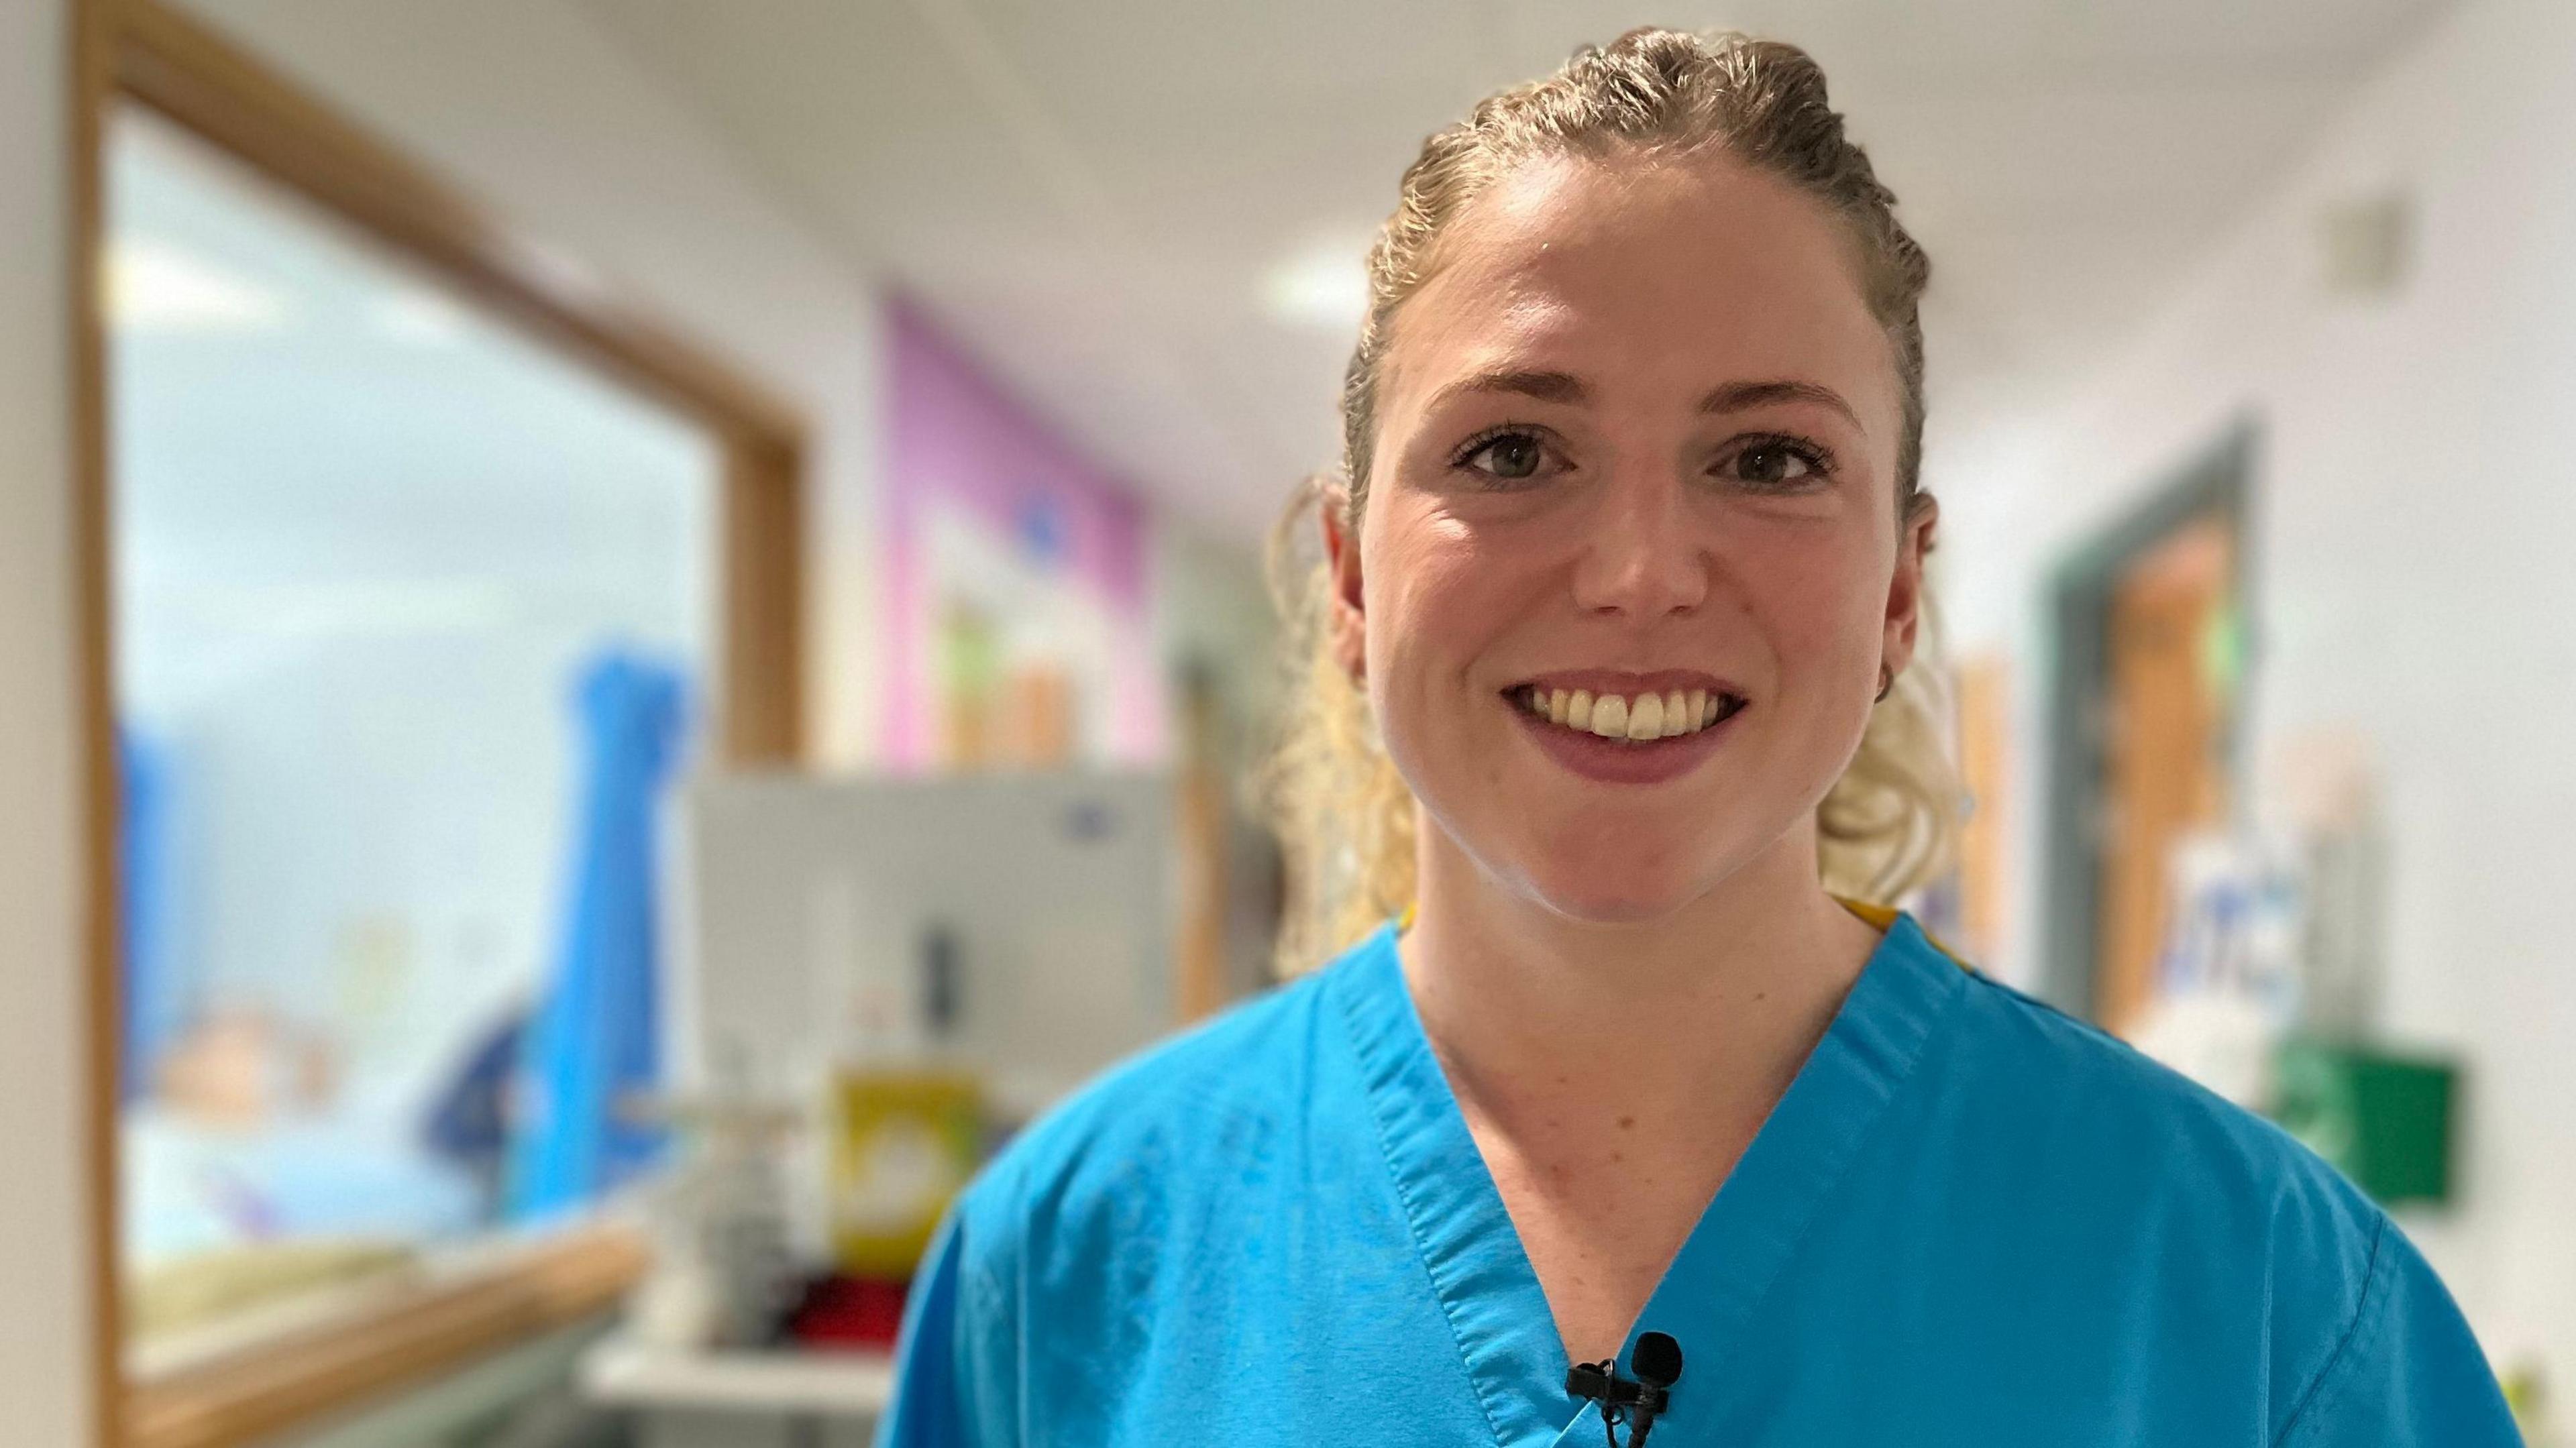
(906, 1140)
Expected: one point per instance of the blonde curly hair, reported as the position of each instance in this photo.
(1345, 817)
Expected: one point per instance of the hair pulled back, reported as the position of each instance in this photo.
(1345, 816)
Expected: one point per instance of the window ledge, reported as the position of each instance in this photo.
(400, 1341)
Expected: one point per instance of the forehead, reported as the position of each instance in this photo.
(1694, 270)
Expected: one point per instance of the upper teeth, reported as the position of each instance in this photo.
(1620, 716)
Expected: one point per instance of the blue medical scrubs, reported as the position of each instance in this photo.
(1970, 1221)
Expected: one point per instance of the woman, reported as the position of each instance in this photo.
(1622, 569)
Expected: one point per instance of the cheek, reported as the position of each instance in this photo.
(1440, 597)
(1435, 590)
(1819, 599)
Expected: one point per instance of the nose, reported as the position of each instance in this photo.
(1640, 553)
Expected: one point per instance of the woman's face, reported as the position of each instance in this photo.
(1637, 439)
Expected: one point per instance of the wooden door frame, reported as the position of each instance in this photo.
(142, 52)
(2218, 480)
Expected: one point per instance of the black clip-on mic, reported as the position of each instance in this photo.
(1658, 1361)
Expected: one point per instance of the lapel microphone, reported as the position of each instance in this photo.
(1658, 1361)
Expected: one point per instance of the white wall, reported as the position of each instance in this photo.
(2415, 501)
(528, 106)
(45, 1362)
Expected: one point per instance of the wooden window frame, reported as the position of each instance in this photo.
(142, 52)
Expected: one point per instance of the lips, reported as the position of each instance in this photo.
(1625, 704)
(1628, 726)
(1641, 718)
(1629, 682)
(1624, 759)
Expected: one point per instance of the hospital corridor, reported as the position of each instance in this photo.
(835, 722)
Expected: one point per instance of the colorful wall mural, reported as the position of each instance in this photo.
(1021, 631)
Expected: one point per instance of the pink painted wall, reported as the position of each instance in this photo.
(955, 438)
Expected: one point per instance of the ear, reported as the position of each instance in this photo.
(1904, 616)
(1344, 622)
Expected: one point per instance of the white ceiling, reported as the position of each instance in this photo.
(1094, 196)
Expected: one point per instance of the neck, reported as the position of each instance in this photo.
(1694, 1021)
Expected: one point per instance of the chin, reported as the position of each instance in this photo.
(1610, 892)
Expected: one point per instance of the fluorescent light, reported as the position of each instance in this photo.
(155, 286)
(1323, 287)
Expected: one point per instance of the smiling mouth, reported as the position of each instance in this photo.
(1643, 718)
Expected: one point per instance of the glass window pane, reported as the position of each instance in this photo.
(370, 545)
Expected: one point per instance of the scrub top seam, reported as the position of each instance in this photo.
(1880, 1117)
(1413, 1223)
(2326, 1389)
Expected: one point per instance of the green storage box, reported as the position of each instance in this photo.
(2383, 1119)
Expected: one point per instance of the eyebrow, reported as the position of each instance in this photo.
(1737, 396)
(1523, 382)
(1567, 388)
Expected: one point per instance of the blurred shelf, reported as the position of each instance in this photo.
(622, 1372)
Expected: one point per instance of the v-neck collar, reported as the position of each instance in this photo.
(1479, 1270)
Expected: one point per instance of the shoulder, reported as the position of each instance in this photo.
(2222, 1212)
(2148, 1139)
(1126, 1146)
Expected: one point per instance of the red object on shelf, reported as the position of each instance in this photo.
(849, 1312)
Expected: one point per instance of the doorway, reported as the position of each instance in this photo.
(2151, 628)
